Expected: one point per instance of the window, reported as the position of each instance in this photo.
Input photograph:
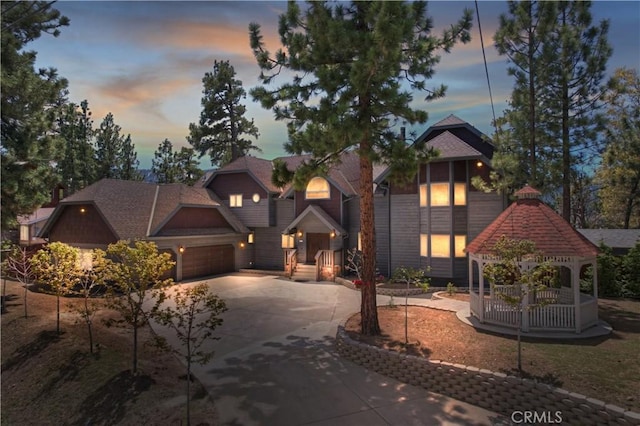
(359, 241)
(256, 198)
(460, 243)
(235, 200)
(440, 246)
(251, 238)
(423, 195)
(459, 194)
(439, 194)
(318, 189)
(423, 245)
(24, 232)
(85, 259)
(288, 241)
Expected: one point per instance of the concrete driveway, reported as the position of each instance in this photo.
(275, 363)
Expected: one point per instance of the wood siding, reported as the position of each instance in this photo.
(483, 209)
(195, 217)
(405, 231)
(332, 206)
(251, 214)
(352, 212)
(75, 227)
(410, 188)
(381, 208)
(268, 253)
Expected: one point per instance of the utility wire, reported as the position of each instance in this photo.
(486, 69)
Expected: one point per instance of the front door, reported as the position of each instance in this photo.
(316, 242)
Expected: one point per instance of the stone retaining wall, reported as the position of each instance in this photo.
(493, 391)
(393, 291)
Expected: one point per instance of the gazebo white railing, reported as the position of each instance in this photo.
(551, 309)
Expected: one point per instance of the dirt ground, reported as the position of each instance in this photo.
(604, 368)
(51, 379)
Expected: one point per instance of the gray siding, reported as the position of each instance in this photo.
(268, 253)
(460, 220)
(440, 267)
(381, 210)
(251, 214)
(405, 231)
(483, 209)
(440, 220)
(352, 208)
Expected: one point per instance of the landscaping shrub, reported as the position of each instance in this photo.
(609, 273)
(631, 273)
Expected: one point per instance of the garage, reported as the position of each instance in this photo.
(207, 260)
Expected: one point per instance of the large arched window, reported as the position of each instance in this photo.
(317, 189)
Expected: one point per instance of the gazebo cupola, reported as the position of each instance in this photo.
(565, 307)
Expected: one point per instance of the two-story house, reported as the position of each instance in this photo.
(237, 218)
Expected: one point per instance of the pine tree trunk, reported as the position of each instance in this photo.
(135, 347)
(58, 314)
(368, 307)
(532, 104)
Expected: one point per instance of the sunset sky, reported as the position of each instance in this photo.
(144, 62)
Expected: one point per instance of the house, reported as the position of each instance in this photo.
(428, 223)
(30, 226)
(304, 232)
(620, 240)
(199, 231)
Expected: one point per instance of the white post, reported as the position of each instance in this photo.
(481, 290)
(575, 285)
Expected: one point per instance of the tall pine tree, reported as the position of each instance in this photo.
(108, 149)
(77, 167)
(29, 145)
(222, 129)
(129, 161)
(353, 66)
(579, 52)
(171, 166)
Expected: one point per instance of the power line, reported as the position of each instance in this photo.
(486, 69)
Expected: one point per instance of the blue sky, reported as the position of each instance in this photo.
(144, 62)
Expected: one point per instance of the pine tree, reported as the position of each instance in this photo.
(222, 126)
(188, 169)
(28, 103)
(522, 145)
(163, 163)
(77, 167)
(129, 161)
(574, 91)
(108, 149)
(619, 173)
(349, 63)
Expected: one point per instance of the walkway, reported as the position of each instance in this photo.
(276, 363)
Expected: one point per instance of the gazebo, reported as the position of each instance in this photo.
(565, 308)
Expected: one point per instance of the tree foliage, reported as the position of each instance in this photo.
(132, 271)
(353, 68)
(222, 129)
(558, 59)
(171, 166)
(77, 166)
(192, 314)
(29, 144)
(619, 173)
(57, 268)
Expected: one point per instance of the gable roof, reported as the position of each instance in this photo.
(322, 215)
(135, 209)
(452, 147)
(259, 168)
(528, 218)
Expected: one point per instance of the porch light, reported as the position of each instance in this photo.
(242, 244)
(333, 233)
(181, 249)
(82, 210)
(479, 164)
(250, 238)
(299, 233)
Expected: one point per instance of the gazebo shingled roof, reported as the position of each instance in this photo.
(531, 219)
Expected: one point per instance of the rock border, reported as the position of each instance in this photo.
(392, 291)
(484, 388)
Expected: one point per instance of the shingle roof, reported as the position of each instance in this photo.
(614, 238)
(531, 219)
(450, 146)
(138, 209)
(260, 168)
(450, 120)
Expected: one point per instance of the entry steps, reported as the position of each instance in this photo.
(304, 272)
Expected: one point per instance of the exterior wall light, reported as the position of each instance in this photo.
(300, 233)
(83, 210)
(242, 245)
(479, 164)
(250, 238)
(333, 233)
(181, 249)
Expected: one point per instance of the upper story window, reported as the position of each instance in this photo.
(318, 189)
(439, 194)
(459, 194)
(235, 200)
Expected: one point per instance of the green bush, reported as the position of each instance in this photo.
(631, 272)
(609, 273)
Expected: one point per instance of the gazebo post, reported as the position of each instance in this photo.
(481, 289)
(575, 285)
